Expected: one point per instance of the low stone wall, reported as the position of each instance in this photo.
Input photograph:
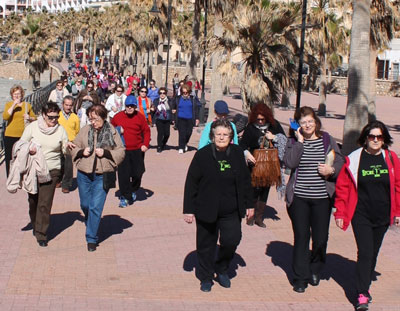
(339, 85)
(14, 69)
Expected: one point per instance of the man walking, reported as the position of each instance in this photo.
(136, 133)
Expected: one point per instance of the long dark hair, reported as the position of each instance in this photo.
(387, 139)
(263, 110)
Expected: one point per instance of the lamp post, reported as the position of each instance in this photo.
(169, 41)
(203, 82)
(301, 53)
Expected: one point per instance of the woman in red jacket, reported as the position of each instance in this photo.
(368, 196)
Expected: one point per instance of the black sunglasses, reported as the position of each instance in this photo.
(53, 117)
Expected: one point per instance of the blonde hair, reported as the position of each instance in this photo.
(17, 88)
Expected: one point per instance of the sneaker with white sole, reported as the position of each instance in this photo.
(362, 303)
(180, 151)
(123, 202)
(186, 148)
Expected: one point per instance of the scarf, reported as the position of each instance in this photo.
(118, 102)
(142, 111)
(162, 107)
(104, 137)
(60, 96)
(44, 128)
(86, 104)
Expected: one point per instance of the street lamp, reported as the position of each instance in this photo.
(203, 82)
(301, 53)
(154, 10)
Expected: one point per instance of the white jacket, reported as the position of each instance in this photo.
(27, 170)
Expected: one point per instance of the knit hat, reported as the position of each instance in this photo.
(131, 101)
(221, 107)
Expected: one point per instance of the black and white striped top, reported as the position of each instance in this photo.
(310, 184)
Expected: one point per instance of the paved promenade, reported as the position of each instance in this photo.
(146, 256)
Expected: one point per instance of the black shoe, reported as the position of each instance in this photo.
(42, 243)
(223, 280)
(205, 287)
(91, 247)
(299, 288)
(159, 149)
(314, 280)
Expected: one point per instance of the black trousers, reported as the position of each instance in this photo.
(8, 145)
(185, 129)
(67, 171)
(40, 205)
(228, 228)
(130, 172)
(310, 218)
(163, 132)
(369, 240)
(261, 194)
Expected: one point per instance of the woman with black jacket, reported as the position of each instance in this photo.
(218, 194)
(162, 115)
(262, 124)
(186, 108)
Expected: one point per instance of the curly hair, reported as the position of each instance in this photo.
(263, 110)
(17, 88)
(387, 139)
(221, 123)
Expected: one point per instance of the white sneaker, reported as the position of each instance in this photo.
(180, 151)
(186, 148)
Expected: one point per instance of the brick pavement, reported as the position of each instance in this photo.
(146, 258)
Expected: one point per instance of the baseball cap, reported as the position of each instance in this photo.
(131, 101)
(221, 107)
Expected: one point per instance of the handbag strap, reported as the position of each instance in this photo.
(270, 144)
(262, 143)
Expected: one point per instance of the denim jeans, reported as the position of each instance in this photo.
(92, 196)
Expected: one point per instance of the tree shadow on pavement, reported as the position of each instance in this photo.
(61, 222)
(111, 225)
(190, 263)
(271, 213)
(340, 269)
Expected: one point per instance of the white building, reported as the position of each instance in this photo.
(19, 6)
(389, 60)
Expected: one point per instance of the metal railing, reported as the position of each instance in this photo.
(38, 98)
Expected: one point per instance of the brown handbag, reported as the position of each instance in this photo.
(267, 170)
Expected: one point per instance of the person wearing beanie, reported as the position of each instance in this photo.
(221, 112)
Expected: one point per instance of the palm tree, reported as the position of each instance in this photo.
(327, 39)
(264, 33)
(358, 75)
(36, 37)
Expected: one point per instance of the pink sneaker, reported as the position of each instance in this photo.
(362, 304)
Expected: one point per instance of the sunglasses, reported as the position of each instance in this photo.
(130, 106)
(373, 137)
(162, 93)
(185, 92)
(261, 119)
(141, 91)
(53, 117)
(119, 91)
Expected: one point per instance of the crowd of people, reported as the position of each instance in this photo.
(99, 122)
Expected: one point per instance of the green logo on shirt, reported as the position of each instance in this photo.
(375, 171)
(223, 165)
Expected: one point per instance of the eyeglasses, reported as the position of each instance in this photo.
(185, 93)
(53, 117)
(90, 86)
(373, 137)
(91, 120)
(260, 119)
(130, 106)
(162, 93)
(309, 122)
(142, 91)
(222, 135)
(119, 91)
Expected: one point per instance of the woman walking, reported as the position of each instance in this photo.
(218, 195)
(97, 151)
(262, 125)
(53, 140)
(17, 114)
(368, 197)
(162, 114)
(308, 194)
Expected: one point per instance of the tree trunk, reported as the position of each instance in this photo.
(158, 75)
(65, 50)
(322, 89)
(358, 76)
(195, 55)
(372, 91)
(73, 49)
(102, 52)
(216, 85)
(94, 53)
(85, 41)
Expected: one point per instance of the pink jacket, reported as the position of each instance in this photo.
(346, 187)
(27, 170)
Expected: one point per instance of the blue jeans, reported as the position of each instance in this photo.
(92, 196)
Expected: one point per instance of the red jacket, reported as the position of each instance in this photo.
(136, 129)
(346, 187)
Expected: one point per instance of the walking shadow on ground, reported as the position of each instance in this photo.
(61, 222)
(190, 263)
(111, 225)
(271, 213)
(141, 195)
(340, 269)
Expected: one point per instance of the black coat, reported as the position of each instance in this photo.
(202, 187)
